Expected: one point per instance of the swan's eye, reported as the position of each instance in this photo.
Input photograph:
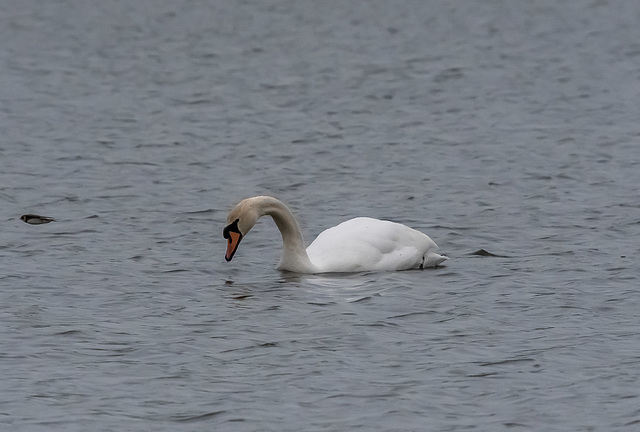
(232, 227)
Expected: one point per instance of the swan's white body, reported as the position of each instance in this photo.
(363, 244)
(360, 244)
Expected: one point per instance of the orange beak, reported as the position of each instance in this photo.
(232, 245)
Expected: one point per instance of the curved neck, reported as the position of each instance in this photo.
(294, 257)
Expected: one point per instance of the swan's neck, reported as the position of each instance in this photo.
(294, 256)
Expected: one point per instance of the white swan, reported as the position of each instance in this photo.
(360, 244)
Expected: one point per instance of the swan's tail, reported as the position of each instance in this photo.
(432, 259)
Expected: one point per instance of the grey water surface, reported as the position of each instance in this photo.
(509, 127)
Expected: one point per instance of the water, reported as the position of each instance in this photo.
(510, 127)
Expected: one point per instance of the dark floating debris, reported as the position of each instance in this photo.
(484, 253)
(36, 219)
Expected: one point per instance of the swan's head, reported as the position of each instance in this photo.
(239, 222)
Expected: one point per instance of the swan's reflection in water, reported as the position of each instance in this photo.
(338, 287)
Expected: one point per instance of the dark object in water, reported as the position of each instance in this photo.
(484, 253)
(36, 219)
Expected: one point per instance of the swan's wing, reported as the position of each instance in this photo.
(364, 244)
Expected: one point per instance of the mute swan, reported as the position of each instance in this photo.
(360, 244)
